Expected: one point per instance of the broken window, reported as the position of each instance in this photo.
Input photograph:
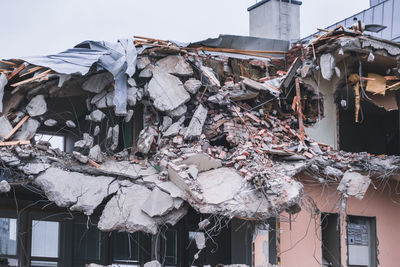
(361, 241)
(170, 247)
(330, 235)
(8, 242)
(86, 244)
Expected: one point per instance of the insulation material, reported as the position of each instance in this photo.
(377, 84)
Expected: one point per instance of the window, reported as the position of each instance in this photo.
(361, 241)
(45, 243)
(125, 249)
(56, 141)
(170, 247)
(86, 244)
(330, 232)
(8, 242)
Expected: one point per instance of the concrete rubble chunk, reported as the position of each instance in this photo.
(192, 86)
(173, 129)
(158, 203)
(332, 172)
(70, 124)
(200, 240)
(95, 154)
(328, 64)
(110, 99)
(4, 186)
(132, 96)
(37, 106)
(178, 112)
(129, 116)
(34, 168)
(115, 137)
(50, 122)
(80, 144)
(193, 171)
(176, 65)
(99, 100)
(203, 224)
(142, 62)
(203, 162)
(96, 116)
(123, 212)
(152, 264)
(75, 190)
(96, 130)
(146, 138)
(80, 157)
(5, 126)
(167, 121)
(195, 127)
(28, 130)
(88, 140)
(98, 82)
(215, 187)
(354, 184)
(147, 72)
(167, 91)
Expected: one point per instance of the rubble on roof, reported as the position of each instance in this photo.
(220, 134)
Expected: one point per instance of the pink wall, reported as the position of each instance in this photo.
(301, 239)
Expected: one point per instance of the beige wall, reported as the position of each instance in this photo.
(300, 240)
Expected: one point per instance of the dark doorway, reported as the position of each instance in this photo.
(330, 229)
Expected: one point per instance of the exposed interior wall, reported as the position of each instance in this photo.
(275, 20)
(325, 130)
(302, 236)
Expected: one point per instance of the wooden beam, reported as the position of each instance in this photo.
(16, 71)
(40, 76)
(299, 111)
(13, 143)
(24, 119)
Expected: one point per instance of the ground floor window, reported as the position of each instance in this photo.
(8, 241)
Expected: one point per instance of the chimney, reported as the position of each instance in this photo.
(275, 19)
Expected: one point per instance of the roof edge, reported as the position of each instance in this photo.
(296, 2)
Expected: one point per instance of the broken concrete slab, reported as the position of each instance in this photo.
(88, 140)
(78, 191)
(158, 203)
(99, 100)
(98, 82)
(173, 129)
(37, 106)
(332, 172)
(95, 154)
(354, 184)
(127, 169)
(215, 187)
(28, 130)
(195, 128)
(4, 186)
(96, 116)
(146, 139)
(123, 212)
(176, 65)
(34, 168)
(192, 86)
(147, 72)
(167, 91)
(203, 162)
(152, 264)
(167, 121)
(6, 126)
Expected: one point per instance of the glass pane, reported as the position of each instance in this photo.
(8, 262)
(171, 247)
(44, 263)
(8, 236)
(45, 237)
(125, 246)
(124, 265)
(86, 242)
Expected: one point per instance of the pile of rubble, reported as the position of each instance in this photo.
(217, 135)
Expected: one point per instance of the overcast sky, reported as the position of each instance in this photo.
(43, 27)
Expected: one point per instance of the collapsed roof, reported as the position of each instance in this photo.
(220, 133)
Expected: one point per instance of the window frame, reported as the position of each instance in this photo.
(9, 214)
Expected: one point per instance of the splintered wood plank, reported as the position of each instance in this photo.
(16, 71)
(24, 119)
(40, 76)
(299, 111)
(13, 143)
(31, 70)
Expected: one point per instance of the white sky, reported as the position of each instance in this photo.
(40, 27)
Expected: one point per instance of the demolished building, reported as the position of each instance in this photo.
(189, 155)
